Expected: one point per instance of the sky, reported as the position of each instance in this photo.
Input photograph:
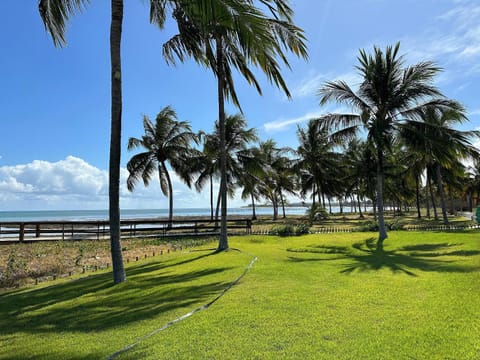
(55, 102)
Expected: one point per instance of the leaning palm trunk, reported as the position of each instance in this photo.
(417, 194)
(211, 198)
(359, 207)
(170, 192)
(223, 242)
(441, 190)
(115, 141)
(432, 196)
(283, 204)
(254, 214)
(382, 230)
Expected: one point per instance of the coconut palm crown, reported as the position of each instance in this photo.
(165, 141)
(390, 93)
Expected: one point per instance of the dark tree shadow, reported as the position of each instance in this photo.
(104, 306)
(365, 256)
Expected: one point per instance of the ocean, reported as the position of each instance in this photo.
(61, 215)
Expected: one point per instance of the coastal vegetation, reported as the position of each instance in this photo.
(315, 296)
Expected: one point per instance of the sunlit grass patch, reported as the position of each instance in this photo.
(329, 296)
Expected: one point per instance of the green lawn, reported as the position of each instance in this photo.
(313, 297)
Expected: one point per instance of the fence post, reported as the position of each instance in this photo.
(21, 232)
(37, 230)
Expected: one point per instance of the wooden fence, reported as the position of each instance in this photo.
(78, 230)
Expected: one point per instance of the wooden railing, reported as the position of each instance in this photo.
(78, 230)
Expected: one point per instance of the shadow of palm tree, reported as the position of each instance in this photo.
(57, 308)
(365, 256)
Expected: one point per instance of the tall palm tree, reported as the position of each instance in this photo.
(389, 92)
(165, 141)
(317, 159)
(440, 145)
(235, 33)
(55, 14)
(278, 175)
(238, 156)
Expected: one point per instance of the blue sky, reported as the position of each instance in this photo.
(55, 102)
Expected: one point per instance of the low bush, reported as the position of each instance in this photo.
(290, 230)
(283, 230)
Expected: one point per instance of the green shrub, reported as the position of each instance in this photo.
(373, 225)
(302, 229)
(15, 272)
(283, 230)
(369, 225)
(289, 230)
(315, 213)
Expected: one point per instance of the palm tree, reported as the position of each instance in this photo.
(388, 93)
(440, 145)
(166, 141)
(318, 162)
(238, 156)
(278, 175)
(253, 170)
(55, 14)
(235, 33)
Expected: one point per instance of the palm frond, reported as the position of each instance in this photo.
(56, 13)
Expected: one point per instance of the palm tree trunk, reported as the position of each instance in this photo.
(211, 198)
(382, 230)
(417, 194)
(254, 215)
(313, 195)
(359, 206)
(217, 209)
(442, 194)
(223, 241)
(283, 204)
(432, 196)
(115, 141)
(427, 201)
(275, 207)
(170, 192)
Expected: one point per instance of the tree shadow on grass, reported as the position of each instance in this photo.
(94, 304)
(365, 256)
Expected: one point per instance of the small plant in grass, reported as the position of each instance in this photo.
(316, 213)
(283, 230)
(368, 226)
(302, 229)
(290, 230)
(15, 272)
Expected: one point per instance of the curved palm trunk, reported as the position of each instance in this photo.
(432, 196)
(313, 195)
(115, 142)
(275, 209)
(163, 168)
(254, 214)
(283, 204)
(359, 207)
(382, 230)
(223, 241)
(441, 190)
(211, 198)
(417, 194)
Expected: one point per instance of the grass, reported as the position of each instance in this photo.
(316, 296)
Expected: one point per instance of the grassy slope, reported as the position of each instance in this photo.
(318, 296)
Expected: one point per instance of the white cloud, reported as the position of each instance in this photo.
(284, 124)
(452, 41)
(73, 184)
(310, 85)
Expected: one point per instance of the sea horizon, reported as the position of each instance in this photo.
(76, 215)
